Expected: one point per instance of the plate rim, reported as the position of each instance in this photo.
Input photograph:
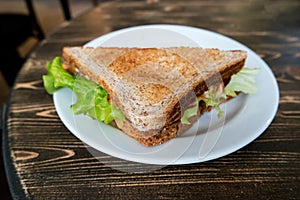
(188, 160)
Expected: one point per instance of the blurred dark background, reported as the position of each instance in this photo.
(49, 16)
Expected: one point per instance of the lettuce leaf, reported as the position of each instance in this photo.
(243, 81)
(57, 77)
(91, 99)
(213, 97)
(190, 112)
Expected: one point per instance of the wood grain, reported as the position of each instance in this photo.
(45, 161)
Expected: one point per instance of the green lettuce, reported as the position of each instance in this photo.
(91, 99)
(243, 81)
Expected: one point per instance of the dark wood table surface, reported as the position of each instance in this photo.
(45, 161)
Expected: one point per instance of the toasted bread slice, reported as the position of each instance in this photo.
(154, 86)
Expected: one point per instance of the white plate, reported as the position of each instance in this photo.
(246, 116)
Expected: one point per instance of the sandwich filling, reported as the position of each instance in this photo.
(243, 81)
(92, 100)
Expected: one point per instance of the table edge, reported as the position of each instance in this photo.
(13, 181)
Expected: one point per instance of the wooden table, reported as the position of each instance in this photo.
(45, 161)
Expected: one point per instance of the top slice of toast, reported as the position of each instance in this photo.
(147, 83)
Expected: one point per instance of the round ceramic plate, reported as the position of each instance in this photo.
(246, 117)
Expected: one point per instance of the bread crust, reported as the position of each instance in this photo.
(160, 101)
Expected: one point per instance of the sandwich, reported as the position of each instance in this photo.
(151, 94)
